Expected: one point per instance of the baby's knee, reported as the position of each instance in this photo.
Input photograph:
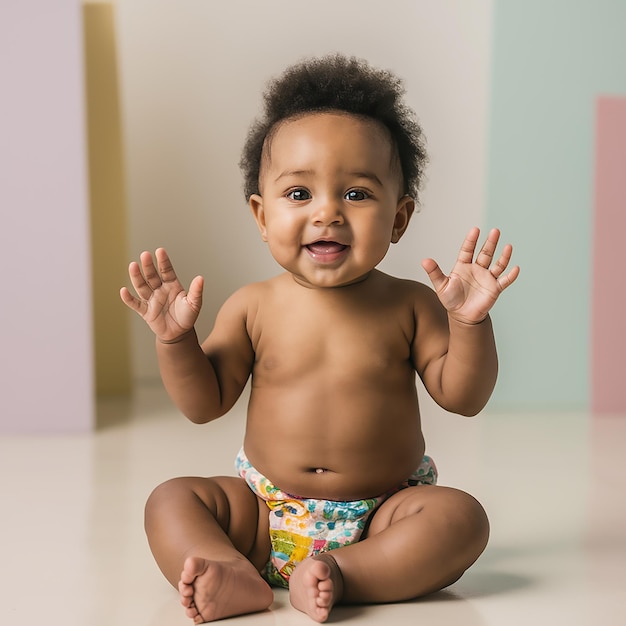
(457, 514)
(467, 514)
(163, 494)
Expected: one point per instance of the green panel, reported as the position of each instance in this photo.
(551, 59)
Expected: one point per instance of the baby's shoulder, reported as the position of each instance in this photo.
(410, 291)
(265, 288)
(251, 295)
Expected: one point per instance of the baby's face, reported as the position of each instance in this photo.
(331, 198)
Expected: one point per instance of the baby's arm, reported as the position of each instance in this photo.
(456, 353)
(204, 384)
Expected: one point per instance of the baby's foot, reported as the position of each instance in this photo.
(315, 585)
(211, 590)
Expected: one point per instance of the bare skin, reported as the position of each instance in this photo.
(315, 586)
(212, 590)
(332, 346)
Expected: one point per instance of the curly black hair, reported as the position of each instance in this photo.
(338, 83)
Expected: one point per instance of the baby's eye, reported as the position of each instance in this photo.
(299, 195)
(355, 195)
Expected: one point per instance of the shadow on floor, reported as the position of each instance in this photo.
(485, 583)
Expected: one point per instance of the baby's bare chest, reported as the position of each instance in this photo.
(359, 344)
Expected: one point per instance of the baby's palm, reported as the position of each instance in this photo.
(163, 303)
(473, 287)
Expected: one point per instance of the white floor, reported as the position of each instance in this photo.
(72, 549)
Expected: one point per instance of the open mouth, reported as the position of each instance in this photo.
(326, 251)
(325, 247)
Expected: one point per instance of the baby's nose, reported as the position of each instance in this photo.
(327, 212)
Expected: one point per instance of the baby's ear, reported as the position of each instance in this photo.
(404, 210)
(256, 205)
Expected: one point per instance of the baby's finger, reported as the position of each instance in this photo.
(150, 273)
(502, 263)
(486, 254)
(194, 295)
(131, 302)
(141, 287)
(166, 269)
(508, 279)
(466, 253)
(437, 277)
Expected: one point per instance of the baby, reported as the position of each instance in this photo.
(335, 498)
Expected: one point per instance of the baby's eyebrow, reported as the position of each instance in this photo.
(288, 173)
(367, 175)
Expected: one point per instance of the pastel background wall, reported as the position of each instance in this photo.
(137, 131)
(552, 61)
(46, 355)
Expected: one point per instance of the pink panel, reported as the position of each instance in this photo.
(608, 334)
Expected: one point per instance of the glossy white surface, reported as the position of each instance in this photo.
(73, 550)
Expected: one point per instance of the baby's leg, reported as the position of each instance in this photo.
(210, 539)
(420, 540)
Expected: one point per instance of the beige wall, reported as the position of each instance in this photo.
(191, 75)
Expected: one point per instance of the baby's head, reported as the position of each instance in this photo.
(338, 83)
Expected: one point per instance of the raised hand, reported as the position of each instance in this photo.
(473, 285)
(163, 303)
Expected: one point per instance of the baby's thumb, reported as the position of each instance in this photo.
(437, 277)
(194, 295)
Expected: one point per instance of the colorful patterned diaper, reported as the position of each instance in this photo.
(303, 527)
